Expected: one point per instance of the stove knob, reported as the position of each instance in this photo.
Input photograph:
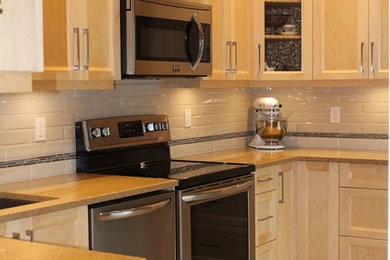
(149, 127)
(157, 126)
(164, 126)
(96, 133)
(105, 131)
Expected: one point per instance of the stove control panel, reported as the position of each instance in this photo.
(125, 130)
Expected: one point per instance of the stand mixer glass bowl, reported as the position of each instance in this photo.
(271, 130)
(270, 127)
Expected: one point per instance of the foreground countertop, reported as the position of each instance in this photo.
(11, 249)
(266, 158)
(74, 190)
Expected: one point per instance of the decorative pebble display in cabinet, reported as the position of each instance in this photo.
(283, 45)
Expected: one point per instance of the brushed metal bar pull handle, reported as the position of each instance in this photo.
(16, 235)
(76, 32)
(30, 233)
(259, 56)
(229, 46)
(281, 174)
(265, 180)
(216, 193)
(234, 44)
(372, 67)
(266, 218)
(86, 33)
(133, 212)
(361, 57)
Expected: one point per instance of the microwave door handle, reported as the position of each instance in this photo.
(133, 212)
(201, 42)
(205, 195)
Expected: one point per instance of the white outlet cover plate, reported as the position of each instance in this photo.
(40, 129)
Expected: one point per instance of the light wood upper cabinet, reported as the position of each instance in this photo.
(21, 44)
(379, 38)
(21, 47)
(82, 42)
(275, 54)
(350, 39)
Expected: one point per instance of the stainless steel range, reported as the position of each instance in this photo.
(209, 216)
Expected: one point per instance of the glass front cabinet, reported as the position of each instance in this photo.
(282, 44)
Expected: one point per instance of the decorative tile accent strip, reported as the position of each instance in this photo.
(38, 160)
(210, 138)
(339, 135)
(71, 156)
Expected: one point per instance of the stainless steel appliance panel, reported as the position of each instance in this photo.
(141, 226)
(216, 220)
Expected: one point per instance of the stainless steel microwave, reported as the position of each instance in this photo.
(165, 38)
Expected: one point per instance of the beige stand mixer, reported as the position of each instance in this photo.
(270, 127)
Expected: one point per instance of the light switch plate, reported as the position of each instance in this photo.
(187, 117)
(40, 129)
(335, 115)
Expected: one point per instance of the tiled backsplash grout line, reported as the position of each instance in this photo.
(71, 156)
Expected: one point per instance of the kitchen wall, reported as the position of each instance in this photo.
(221, 119)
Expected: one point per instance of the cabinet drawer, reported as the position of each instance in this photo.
(266, 179)
(372, 176)
(353, 248)
(265, 217)
(363, 213)
(266, 251)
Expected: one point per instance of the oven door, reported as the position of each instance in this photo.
(216, 221)
(170, 40)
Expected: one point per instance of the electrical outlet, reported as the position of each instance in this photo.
(40, 129)
(187, 117)
(335, 115)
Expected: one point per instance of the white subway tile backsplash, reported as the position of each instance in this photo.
(14, 174)
(214, 112)
(43, 170)
(28, 150)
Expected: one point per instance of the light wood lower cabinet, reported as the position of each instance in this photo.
(324, 211)
(265, 217)
(266, 251)
(67, 227)
(363, 213)
(317, 210)
(353, 248)
(286, 224)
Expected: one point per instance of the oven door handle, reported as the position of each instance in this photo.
(133, 212)
(205, 195)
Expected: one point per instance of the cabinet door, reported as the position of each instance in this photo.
(239, 36)
(340, 39)
(370, 176)
(266, 251)
(287, 213)
(353, 248)
(21, 47)
(363, 213)
(317, 211)
(274, 54)
(61, 40)
(67, 227)
(379, 39)
(265, 217)
(101, 40)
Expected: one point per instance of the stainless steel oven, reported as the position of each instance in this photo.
(216, 220)
(165, 37)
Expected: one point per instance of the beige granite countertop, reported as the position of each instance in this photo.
(266, 158)
(74, 190)
(12, 249)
